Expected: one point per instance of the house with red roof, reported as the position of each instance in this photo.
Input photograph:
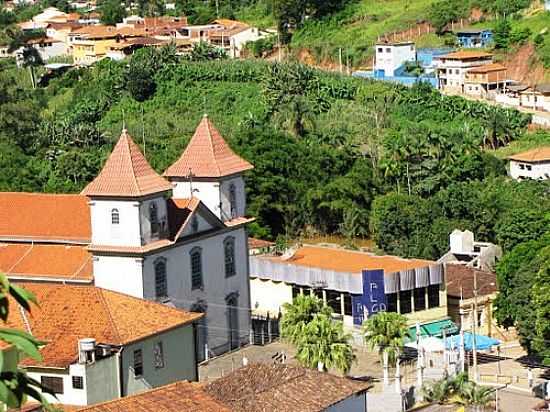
(532, 164)
(178, 239)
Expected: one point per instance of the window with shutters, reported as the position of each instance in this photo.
(158, 355)
(154, 218)
(53, 383)
(229, 254)
(138, 363)
(196, 268)
(115, 217)
(433, 296)
(78, 382)
(161, 281)
(233, 200)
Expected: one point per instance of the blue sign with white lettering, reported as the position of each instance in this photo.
(374, 298)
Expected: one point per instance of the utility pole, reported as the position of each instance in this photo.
(340, 58)
(474, 346)
(279, 44)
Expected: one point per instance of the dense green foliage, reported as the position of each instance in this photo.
(385, 332)
(458, 389)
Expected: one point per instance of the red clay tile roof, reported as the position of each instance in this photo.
(44, 261)
(540, 154)
(254, 243)
(126, 173)
(486, 68)
(282, 388)
(460, 281)
(44, 217)
(465, 54)
(68, 313)
(180, 396)
(342, 260)
(207, 155)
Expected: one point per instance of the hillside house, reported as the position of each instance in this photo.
(532, 164)
(354, 284)
(391, 56)
(102, 345)
(465, 250)
(452, 68)
(473, 38)
(232, 36)
(180, 239)
(46, 47)
(536, 97)
(485, 81)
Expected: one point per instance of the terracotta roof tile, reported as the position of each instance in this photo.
(45, 217)
(126, 173)
(540, 154)
(465, 54)
(207, 155)
(254, 243)
(68, 313)
(282, 388)
(46, 261)
(342, 260)
(486, 68)
(460, 281)
(177, 397)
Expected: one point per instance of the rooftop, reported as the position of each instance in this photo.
(486, 68)
(46, 261)
(540, 154)
(176, 397)
(126, 173)
(278, 388)
(207, 155)
(254, 243)
(342, 260)
(465, 55)
(44, 217)
(68, 313)
(460, 281)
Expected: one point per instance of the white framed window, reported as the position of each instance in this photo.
(196, 268)
(158, 355)
(138, 363)
(161, 281)
(115, 217)
(229, 256)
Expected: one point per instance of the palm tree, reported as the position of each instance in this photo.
(324, 345)
(386, 332)
(298, 314)
(438, 391)
(476, 396)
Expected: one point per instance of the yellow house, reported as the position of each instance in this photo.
(92, 50)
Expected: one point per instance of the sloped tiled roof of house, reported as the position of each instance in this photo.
(46, 262)
(126, 173)
(44, 217)
(460, 281)
(282, 388)
(486, 68)
(540, 154)
(207, 155)
(465, 54)
(180, 396)
(69, 313)
(342, 260)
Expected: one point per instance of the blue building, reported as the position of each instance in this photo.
(472, 38)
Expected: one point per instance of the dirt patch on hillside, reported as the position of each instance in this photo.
(523, 65)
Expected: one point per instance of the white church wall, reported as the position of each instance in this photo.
(216, 287)
(207, 192)
(203, 225)
(240, 197)
(119, 273)
(162, 215)
(125, 233)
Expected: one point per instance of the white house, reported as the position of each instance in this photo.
(127, 233)
(391, 56)
(46, 47)
(233, 35)
(453, 67)
(102, 345)
(533, 164)
(465, 250)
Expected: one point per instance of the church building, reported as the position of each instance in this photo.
(179, 239)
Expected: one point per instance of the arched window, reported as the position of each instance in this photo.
(161, 281)
(153, 218)
(229, 256)
(196, 268)
(115, 217)
(233, 201)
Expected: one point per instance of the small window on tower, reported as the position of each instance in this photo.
(78, 382)
(233, 200)
(115, 217)
(154, 218)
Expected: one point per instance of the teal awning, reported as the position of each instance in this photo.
(435, 329)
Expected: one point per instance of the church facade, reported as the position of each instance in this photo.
(179, 239)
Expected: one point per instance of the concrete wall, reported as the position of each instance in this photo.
(101, 382)
(390, 57)
(240, 197)
(179, 361)
(355, 403)
(269, 296)
(126, 233)
(119, 273)
(520, 170)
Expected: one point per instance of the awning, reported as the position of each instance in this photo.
(482, 342)
(429, 344)
(434, 329)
